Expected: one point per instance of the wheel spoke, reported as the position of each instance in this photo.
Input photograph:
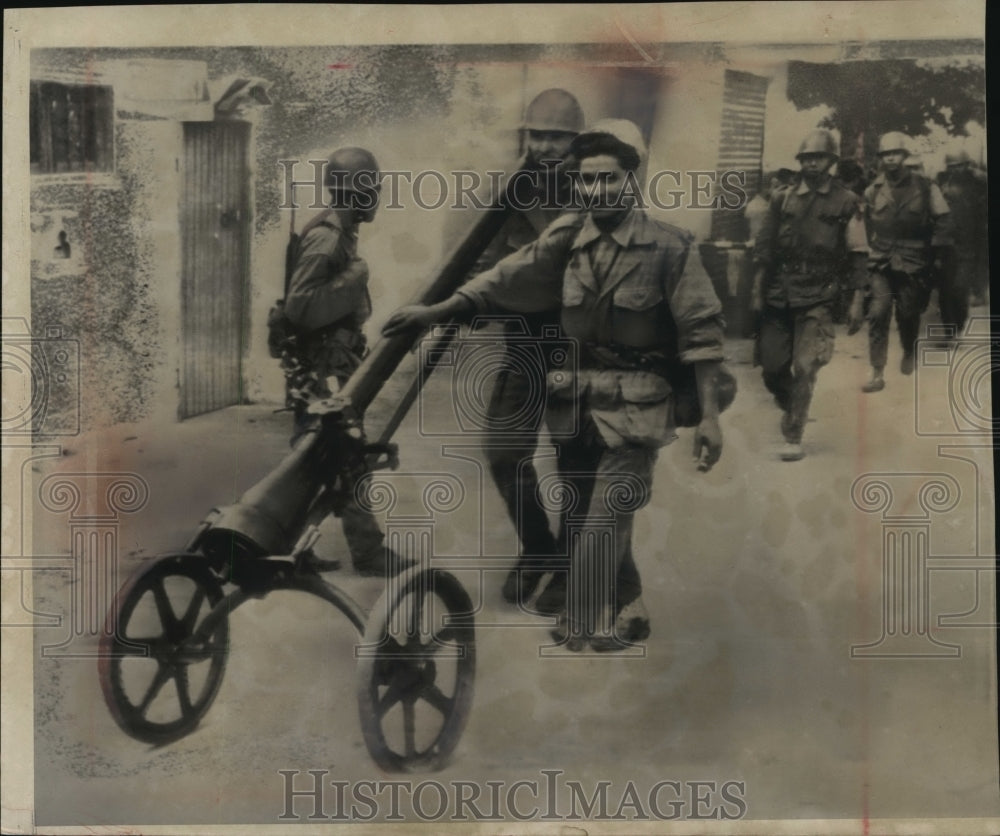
(162, 675)
(392, 695)
(166, 612)
(183, 690)
(435, 696)
(193, 608)
(409, 729)
(156, 617)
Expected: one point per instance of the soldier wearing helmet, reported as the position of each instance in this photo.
(910, 240)
(965, 193)
(617, 279)
(812, 243)
(327, 303)
(551, 120)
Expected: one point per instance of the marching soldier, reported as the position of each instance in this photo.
(909, 233)
(326, 304)
(553, 118)
(618, 279)
(966, 197)
(811, 243)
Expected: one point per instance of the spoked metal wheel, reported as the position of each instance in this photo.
(159, 677)
(416, 671)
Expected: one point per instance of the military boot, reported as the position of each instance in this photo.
(876, 384)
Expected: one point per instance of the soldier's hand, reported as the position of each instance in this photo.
(855, 314)
(707, 443)
(408, 319)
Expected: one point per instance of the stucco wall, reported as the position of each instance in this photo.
(105, 297)
(416, 108)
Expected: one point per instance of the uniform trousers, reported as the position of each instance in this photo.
(603, 487)
(910, 292)
(794, 343)
(514, 416)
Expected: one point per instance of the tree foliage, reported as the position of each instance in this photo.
(869, 98)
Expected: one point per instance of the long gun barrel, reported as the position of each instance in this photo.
(270, 516)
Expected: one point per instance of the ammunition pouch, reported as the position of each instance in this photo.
(681, 377)
(633, 395)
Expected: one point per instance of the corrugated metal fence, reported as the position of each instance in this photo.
(741, 144)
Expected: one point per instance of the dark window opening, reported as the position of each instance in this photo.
(71, 128)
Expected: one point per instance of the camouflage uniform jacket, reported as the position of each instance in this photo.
(805, 244)
(644, 306)
(904, 222)
(327, 302)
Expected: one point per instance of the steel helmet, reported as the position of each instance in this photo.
(893, 141)
(818, 142)
(623, 131)
(554, 110)
(353, 169)
(956, 158)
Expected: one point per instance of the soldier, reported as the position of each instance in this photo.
(966, 197)
(618, 279)
(909, 233)
(552, 120)
(811, 243)
(327, 304)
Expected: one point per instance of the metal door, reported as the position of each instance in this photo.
(214, 243)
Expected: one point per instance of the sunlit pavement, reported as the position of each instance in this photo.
(759, 576)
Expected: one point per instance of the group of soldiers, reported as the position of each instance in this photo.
(886, 245)
(650, 336)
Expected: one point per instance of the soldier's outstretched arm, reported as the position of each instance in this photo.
(527, 281)
(418, 317)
